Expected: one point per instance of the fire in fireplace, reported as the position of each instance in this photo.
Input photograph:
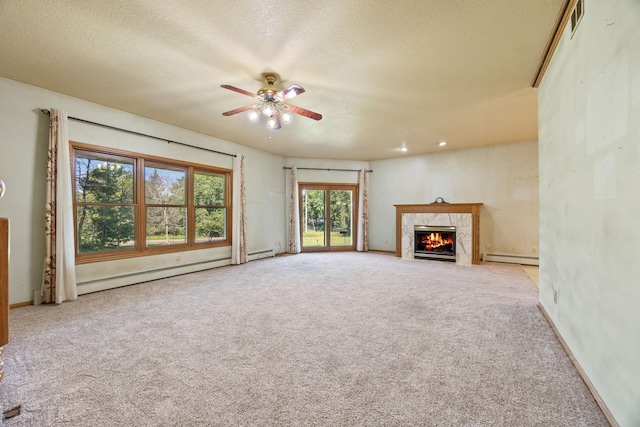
(435, 242)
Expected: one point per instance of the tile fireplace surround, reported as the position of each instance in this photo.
(464, 216)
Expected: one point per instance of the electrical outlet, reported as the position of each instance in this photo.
(488, 247)
(177, 257)
(534, 250)
(385, 242)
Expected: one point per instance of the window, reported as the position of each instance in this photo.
(576, 16)
(166, 205)
(209, 196)
(105, 208)
(129, 205)
(328, 212)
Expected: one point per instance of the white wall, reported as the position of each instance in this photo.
(23, 155)
(589, 133)
(503, 177)
(334, 177)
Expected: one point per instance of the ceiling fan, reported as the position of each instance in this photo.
(272, 103)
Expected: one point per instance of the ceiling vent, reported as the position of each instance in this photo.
(576, 16)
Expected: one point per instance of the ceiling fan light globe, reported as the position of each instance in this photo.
(267, 111)
(253, 116)
(272, 123)
(286, 117)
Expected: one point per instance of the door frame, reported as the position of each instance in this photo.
(328, 186)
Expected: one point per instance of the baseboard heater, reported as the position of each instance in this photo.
(267, 253)
(512, 259)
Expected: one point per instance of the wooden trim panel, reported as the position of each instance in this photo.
(472, 208)
(4, 281)
(21, 304)
(554, 38)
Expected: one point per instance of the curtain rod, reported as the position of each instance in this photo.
(47, 112)
(328, 169)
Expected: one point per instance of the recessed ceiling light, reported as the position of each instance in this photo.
(403, 149)
(442, 143)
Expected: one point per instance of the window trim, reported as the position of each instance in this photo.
(139, 203)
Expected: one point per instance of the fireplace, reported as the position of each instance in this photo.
(435, 242)
(464, 216)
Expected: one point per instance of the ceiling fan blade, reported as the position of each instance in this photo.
(303, 112)
(237, 89)
(291, 91)
(240, 110)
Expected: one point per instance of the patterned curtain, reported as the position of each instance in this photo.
(295, 246)
(362, 244)
(59, 279)
(239, 220)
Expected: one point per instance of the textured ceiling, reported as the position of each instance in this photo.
(382, 73)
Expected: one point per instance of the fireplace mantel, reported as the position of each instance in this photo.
(443, 208)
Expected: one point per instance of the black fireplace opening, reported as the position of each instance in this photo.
(435, 242)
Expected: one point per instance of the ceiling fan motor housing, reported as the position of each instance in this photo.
(269, 93)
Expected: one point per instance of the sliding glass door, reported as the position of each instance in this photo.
(327, 217)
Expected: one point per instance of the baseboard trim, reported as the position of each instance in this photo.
(267, 253)
(512, 259)
(370, 250)
(605, 410)
(21, 304)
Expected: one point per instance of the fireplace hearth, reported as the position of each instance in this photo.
(435, 242)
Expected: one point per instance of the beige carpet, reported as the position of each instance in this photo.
(346, 339)
(533, 271)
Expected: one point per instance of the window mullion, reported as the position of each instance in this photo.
(141, 222)
(191, 211)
